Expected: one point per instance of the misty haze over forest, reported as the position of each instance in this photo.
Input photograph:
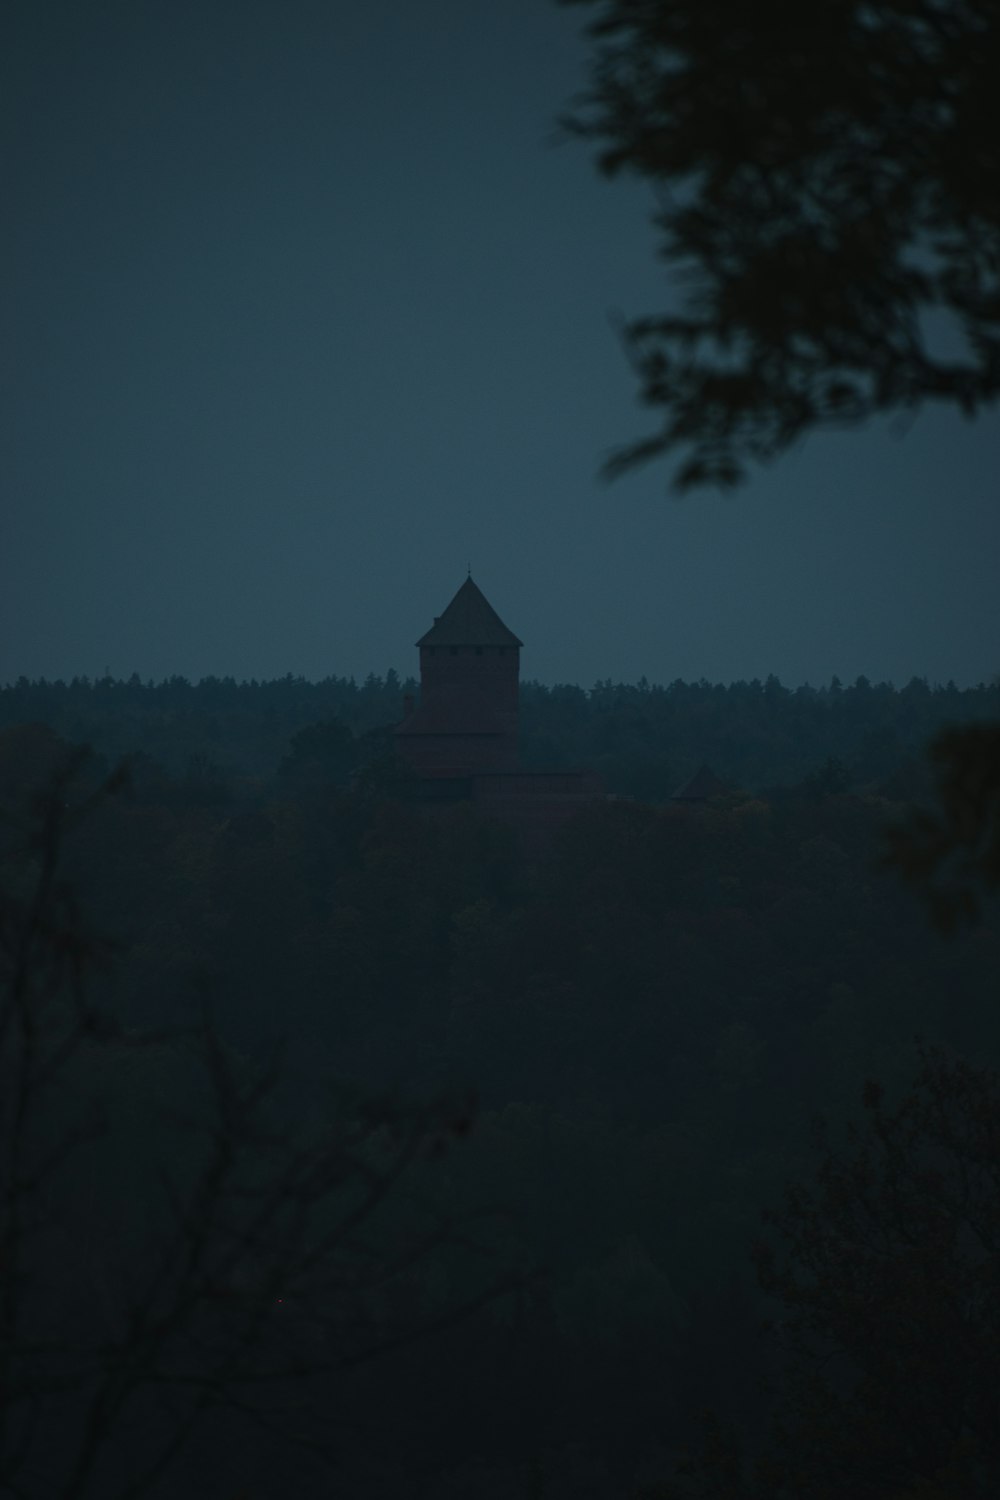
(643, 738)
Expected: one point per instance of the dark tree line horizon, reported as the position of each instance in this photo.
(644, 739)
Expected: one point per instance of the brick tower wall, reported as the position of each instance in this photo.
(467, 719)
(458, 755)
(491, 671)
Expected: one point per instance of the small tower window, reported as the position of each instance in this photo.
(479, 650)
(454, 650)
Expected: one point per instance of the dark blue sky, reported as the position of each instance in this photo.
(303, 310)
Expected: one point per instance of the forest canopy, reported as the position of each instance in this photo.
(644, 738)
(649, 1018)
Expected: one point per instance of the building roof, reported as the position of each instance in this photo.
(702, 785)
(469, 620)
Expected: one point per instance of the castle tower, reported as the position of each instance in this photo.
(466, 720)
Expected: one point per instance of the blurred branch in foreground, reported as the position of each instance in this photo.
(826, 180)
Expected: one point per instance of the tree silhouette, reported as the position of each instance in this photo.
(826, 180)
(885, 1275)
(951, 852)
(178, 1249)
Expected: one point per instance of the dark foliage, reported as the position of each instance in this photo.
(826, 180)
(188, 1263)
(885, 1275)
(651, 1018)
(196, 730)
(951, 852)
(216, 739)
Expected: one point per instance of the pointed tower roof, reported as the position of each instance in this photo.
(469, 620)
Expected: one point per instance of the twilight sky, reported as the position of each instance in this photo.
(302, 310)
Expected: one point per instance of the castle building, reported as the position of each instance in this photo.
(466, 721)
(461, 737)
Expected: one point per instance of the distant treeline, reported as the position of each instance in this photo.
(643, 738)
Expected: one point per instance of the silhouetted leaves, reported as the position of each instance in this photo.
(179, 1245)
(951, 852)
(826, 188)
